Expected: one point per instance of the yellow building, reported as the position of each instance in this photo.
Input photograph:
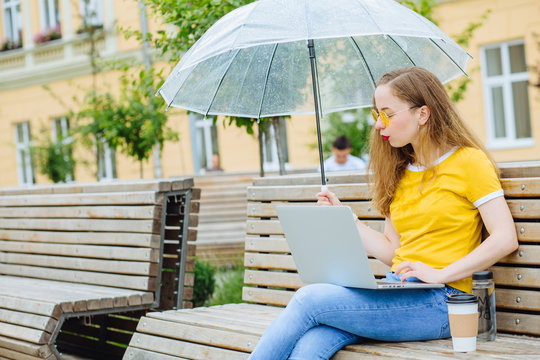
(499, 104)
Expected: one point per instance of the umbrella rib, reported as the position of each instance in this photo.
(266, 79)
(221, 81)
(364, 61)
(403, 51)
(448, 56)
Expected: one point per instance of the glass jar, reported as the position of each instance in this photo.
(484, 288)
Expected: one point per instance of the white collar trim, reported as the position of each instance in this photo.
(411, 167)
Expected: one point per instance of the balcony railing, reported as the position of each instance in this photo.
(20, 67)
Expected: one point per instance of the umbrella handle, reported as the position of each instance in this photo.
(324, 187)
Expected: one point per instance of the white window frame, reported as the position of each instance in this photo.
(505, 81)
(268, 137)
(107, 166)
(202, 128)
(93, 5)
(49, 12)
(11, 31)
(26, 172)
(66, 137)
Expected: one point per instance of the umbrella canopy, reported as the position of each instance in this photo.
(254, 62)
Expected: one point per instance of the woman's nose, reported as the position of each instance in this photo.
(379, 125)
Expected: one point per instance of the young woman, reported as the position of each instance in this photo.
(436, 186)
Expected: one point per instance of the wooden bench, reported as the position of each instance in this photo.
(232, 331)
(79, 264)
(222, 217)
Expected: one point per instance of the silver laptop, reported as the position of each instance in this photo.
(327, 248)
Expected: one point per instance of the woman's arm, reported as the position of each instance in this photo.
(381, 246)
(501, 242)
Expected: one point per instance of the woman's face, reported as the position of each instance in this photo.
(403, 123)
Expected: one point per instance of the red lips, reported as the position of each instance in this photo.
(385, 137)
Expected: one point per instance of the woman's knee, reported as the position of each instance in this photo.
(315, 293)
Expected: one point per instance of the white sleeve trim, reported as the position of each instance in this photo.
(488, 197)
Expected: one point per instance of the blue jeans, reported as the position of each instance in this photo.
(322, 318)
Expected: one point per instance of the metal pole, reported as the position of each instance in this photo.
(158, 173)
(313, 62)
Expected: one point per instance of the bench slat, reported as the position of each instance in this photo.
(520, 209)
(518, 323)
(521, 187)
(184, 349)
(526, 254)
(24, 333)
(307, 192)
(158, 185)
(266, 296)
(517, 299)
(274, 244)
(70, 297)
(364, 209)
(93, 212)
(516, 187)
(273, 279)
(133, 353)
(39, 322)
(41, 351)
(21, 356)
(63, 262)
(514, 276)
(121, 198)
(137, 226)
(40, 307)
(526, 231)
(234, 339)
(140, 240)
(529, 232)
(85, 277)
(273, 227)
(91, 251)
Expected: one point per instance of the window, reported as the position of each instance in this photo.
(204, 139)
(11, 10)
(61, 134)
(106, 160)
(271, 161)
(506, 95)
(24, 159)
(92, 12)
(50, 14)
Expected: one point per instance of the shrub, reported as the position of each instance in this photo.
(9, 44)
(229, 287)
(205, 282)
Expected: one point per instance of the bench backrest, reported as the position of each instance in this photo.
(271, 278)
(107, 234)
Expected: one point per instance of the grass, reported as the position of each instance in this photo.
(229, 283)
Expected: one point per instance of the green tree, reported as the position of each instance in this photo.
(458, 87)
(357, 128)
(132, 121)
(54, 159)
(190, 18)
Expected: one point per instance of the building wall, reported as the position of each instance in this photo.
(508, 20)
(23, 98)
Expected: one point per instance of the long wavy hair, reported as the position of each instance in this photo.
(444, 129)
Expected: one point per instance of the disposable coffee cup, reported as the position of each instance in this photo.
(463, 318)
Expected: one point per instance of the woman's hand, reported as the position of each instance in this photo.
(327, 198)
(421, 271)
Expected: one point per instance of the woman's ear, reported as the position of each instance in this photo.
(423, 115)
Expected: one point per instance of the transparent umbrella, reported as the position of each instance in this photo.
(285, 57)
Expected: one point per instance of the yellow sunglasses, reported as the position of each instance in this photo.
(385, 118)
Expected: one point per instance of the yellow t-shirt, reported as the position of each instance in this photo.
(438, 219)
